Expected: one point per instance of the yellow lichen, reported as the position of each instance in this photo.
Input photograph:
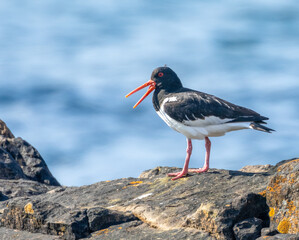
(287, 164)
(276, 185)
(119, 228)
(263, 193)
(292, 181)
(291, 207)
(133, 184)
(136, 182)
(271, 212)
(103, 231)
(28, 208)
(283, 226)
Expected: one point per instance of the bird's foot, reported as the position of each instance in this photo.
(181, 174)
(177, 175)
(199, 170)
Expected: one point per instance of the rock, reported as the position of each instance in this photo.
(268, 232)
(18, 159)
(218, 204)
(9, 167)
(248, 229)
(256, 168)
(157, 171)
(23, 172)
(46, 217)
(283, 198)
(100, 218)
(22, 188)
(11, 234)
(3, 197)
(200, 206)
(280, 237)
(29, 160)
(4, 131)
(209, 204)
(137, 230)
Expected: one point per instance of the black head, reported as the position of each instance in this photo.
(166, 79)
(162, 79)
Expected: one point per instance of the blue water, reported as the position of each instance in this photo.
(65, 67)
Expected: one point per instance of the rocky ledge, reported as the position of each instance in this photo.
(256, 202)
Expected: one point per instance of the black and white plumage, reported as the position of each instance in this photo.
(198, 115)
(195, 114)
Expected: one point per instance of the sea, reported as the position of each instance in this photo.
(66, 66)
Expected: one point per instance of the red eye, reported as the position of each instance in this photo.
(160, 74)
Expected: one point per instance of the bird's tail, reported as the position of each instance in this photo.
(260, 127)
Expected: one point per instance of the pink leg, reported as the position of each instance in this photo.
(207, 159)
(185, 169)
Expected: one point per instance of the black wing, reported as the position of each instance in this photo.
(189, 105)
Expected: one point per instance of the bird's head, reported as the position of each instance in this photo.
(162, 78)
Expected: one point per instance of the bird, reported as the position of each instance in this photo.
(195, 114)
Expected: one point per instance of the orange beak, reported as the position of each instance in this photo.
(152, 87)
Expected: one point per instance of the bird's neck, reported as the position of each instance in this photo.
(169, 86)
(158, 97)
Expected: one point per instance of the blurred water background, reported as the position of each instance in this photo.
(65, 67)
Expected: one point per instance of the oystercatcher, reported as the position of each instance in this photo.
(195, 114)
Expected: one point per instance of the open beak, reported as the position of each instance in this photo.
(152, 87)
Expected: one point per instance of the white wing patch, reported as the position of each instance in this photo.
(211, 126)
(170, 99)
(211, 120)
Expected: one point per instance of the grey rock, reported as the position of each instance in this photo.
(137, 230)
(218, 204)
(4, 131)
(256, 168)
(9, 167)
(248, 229)
(268, 232)
(280, 237)
(12, 234)
(209, 204)
(151, 173)
(53, 218)
(22, 188)
(200, 206)
(46, 217)
(100, 218)
(29, 160)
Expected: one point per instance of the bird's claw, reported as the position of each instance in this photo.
(177, 175)
(199, 170)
